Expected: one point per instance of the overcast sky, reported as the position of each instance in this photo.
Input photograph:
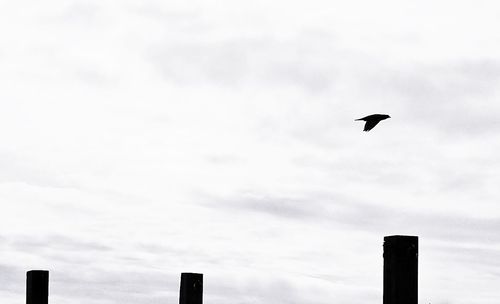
(142, 139)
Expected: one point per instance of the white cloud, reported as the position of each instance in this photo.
(141, 140)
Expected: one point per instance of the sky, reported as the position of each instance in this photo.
(142, 139)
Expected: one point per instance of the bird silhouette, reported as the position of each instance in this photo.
(373, 120)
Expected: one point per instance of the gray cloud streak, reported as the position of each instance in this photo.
(302, 62)
(352, 214)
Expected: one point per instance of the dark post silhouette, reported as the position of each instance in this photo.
(191, 288)
(37, 287)
(400, 269)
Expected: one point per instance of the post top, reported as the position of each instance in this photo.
(400, 237)
(38, 271)
(191, 274)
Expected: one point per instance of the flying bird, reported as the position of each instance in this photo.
(373, 120)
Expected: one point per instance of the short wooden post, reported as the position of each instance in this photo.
(37, 287)
(191, 288)
(400, 269)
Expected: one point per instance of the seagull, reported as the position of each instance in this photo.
(373, 120)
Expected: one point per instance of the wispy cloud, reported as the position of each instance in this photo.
(145, 139)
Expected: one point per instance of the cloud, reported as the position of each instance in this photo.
(145, 139)
(11, 279)
(115, 285)
(452, 97)
(18, 169)
(351, 213)
(57, 243)
(302, 61)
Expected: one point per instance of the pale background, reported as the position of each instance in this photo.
(142, 139)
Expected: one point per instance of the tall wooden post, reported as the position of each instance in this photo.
(400, 269)
(191, 288)
(37, 287)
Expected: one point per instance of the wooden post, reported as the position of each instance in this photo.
(191, 288)
(400, 269)
(37, 287)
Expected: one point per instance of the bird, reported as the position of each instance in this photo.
(373, 120)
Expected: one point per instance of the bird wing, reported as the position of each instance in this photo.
(370, 124)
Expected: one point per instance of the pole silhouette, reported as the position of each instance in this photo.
(37, 287)
(191, 288)
(400, 269)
